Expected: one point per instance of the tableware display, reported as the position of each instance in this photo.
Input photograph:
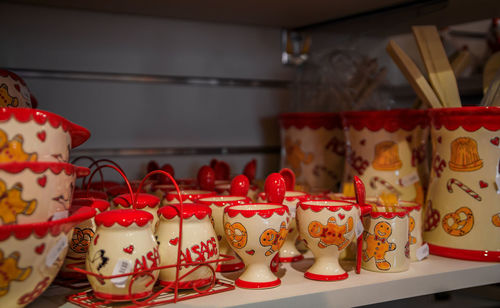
(313, 147)
(387, 150)
(31, 256)
(327, 227)
(34, 135)
(198, 244)
(123, 243)
(386, 246)
(36, 191)
(462, 212)
(14, 91)
(143, 201)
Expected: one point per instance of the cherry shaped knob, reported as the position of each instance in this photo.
(289, 177)
(275, 188)
(222, 170)
(239, 186)
(206, 178)
(250, 169)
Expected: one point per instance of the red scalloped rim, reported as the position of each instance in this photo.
(143, 200)
(469, 118)
(124, 218)
(78, 133)
(314, 120)
(221, 202)
(333, 208)
(234, 210)
(171, 195)
(41, 229)
(99, 204)
(389, 215)
(41, 167)
(200, 211)
(301, 198)
(389, 120)
(412, 207)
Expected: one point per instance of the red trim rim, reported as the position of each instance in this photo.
(464, 254)
(116, 298)
(142, 200)
(234, 210)
(469, 118)
(189, 210)
(186, 195)
(312, 276)
(40, 167)
(185, 285)
(389, 120)
(223, 268)
(123, 217)
(257, 285)
(221, 202)
(314, 120)
(292, 259)
(315, 207)
(390, 215)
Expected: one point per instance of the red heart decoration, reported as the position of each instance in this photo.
(341, 216)
(174, 241)
(219, 238)
(95, 239)
(483, 184)
(129, 249)
(42, 181)
(495, 141)
(250, 252)
(40, 248)
(439, 139)
(42, 135)
(362, 142)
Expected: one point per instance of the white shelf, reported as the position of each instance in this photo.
(435, 274)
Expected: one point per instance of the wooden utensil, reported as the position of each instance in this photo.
(413, 75)
(438, 67)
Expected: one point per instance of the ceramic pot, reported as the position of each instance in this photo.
(256, 232)
(187, 196)
(217, 204)
(31, 255)
(123, 243)
(198, 244)
(145, 202)
(36, 191)
(313, 147)
(289, 252)
(14, 91)
(386, 247)
(386, 149)
(462, 215)
(36, 135)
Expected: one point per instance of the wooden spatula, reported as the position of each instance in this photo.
(438, 67)
(413, 75)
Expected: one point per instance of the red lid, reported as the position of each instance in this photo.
(142, 201)
(78, 134)
(314, 120)
(331, 205)
(264, 210)
(40, 167)
(389, 120)
(99, 204)
(123, 217)
(189, 195)
(469, 118)
(83, 193)
(188, 209)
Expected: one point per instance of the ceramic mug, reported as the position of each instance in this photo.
(462, 215)
(386, 149)
(386, 247)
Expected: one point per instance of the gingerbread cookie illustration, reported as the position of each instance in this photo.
(377, 245)
(236, 234)
(295, 156)
(495, 220)
(464, 155)
(11, 203)
(458, 223)
(387, 156)
(273, 238)
(9, 271)
(6, 100)
(331, 233)
(12, 150)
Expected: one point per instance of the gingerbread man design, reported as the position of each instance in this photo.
(10, 271)
(6, 100)
(12, 150)
(331, 233)
(11, 203)
(273, 238)
(295, 156)
(377, 245)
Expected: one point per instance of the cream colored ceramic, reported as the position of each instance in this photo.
(313, 147)
(36, 191)
(415, 218)
(217, 204)
(145, 202)
(123, 243)
(289, 252)
(386, 247)
(14, 91)
(36, 135)
(198, 244)
(30, 260)
(327, 228)
(385, 150)
(463, 202)
(256, 232)
(188, 195)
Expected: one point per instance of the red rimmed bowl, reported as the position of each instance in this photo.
(31, 256)
(36, 135)
(34, 192)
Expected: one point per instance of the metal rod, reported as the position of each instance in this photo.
(145, 78)
(98, 152)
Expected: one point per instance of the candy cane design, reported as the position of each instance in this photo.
(373, 184)
(463, 187)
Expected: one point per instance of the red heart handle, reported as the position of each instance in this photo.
(275, 188)
(239, 186)
(206, 178)
(289, 177)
